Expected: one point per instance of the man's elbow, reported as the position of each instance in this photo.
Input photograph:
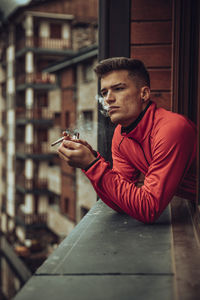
(151, 217)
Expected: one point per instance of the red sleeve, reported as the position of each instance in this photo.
(121, 165)
(173, 153)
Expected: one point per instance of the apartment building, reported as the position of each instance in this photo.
(37, 198)
(78, 114)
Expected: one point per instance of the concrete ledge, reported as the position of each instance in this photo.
(108, 256)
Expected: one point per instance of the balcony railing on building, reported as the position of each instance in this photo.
(36, 78)
(3, 57)
(32, 218)
(34, 183)
(44, 43)
(43, 147)
(35, 113)
(3, 90)
(40, 148)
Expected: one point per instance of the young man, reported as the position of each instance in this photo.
(149, 144)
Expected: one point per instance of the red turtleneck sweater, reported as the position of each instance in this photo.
(162, 146)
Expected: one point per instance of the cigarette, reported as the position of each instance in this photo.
(58, 141)
(75, 137)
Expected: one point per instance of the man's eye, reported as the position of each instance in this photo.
(103, 94)
(119, 88)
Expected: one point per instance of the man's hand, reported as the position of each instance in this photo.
(77, 153)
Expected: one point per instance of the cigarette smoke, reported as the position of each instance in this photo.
(88, 129)
(102, 106)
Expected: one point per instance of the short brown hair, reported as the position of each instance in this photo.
(135, 68)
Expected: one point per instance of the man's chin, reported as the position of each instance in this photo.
(119, 121)
(115, 120)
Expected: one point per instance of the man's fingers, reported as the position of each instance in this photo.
(69, 149)
(67, 137)
(63, 156)
(70, 144)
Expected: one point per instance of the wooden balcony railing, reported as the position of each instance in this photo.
(36, 78)
(3, 55)
(40, 148)
(44, 43)
(34, 183)
(31, 219)
(43, 147)
(35, 113)
(53, 43)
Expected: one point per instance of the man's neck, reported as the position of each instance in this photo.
(135, 123)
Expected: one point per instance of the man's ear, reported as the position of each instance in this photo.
(145, 93)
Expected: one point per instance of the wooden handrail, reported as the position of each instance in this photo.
(44, 42)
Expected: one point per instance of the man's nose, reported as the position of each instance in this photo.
(109, 97)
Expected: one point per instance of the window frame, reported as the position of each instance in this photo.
(186, 67)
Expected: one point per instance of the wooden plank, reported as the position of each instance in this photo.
(153, 56)
(185, 250)
(151, 32)
(151, 10)
(162, 99)
(160, 80)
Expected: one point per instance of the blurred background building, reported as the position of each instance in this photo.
(47, 53)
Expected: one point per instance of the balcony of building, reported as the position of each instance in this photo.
(3, 89)
(41, 116)
(36, 151)
(44, 45)
(38, 81)
(3, 57)
(36, 186)
(35, 183)
(31, 219)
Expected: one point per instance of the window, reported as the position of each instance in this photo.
(88, 74)
(42, 99)
(57, 118)
(3, 174)
(186, 70)
(66, 204)
(88, 119)
(42, 135)
(67, 119)
(55, 31)
(20, 134)
(54, 202)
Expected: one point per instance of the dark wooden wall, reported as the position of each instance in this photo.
(151, 41)
(165, 35)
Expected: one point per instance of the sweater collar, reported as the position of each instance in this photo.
(139, 129)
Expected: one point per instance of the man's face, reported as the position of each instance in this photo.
(122, 96)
